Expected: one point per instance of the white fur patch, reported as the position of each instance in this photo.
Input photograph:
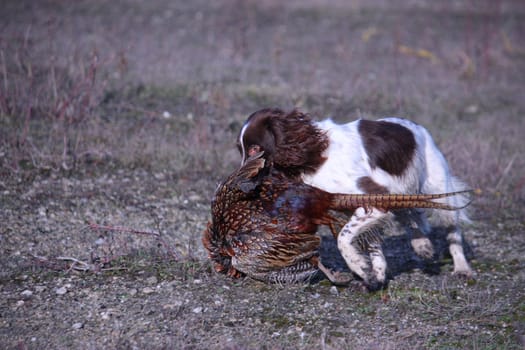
(354, 258)
(241, 142)
(423, 247)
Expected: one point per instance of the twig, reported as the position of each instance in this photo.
(46, 262)
(150, 113)
(94, 226)
(39, 258)
(97, 265)
(162, 241)
(84, 266)
(76, 264)
(113, 269)
(506, 171)
(4, 71)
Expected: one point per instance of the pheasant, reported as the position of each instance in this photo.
(264, 224)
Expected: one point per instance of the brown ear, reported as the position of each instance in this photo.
(299, 144)
(257, 131)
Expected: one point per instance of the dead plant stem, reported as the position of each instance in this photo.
(4, 71)
(506, 171)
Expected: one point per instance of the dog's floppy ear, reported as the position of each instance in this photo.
(299, 144)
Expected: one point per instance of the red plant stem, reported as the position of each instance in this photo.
(121, 229)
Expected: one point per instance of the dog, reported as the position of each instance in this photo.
(390, 155)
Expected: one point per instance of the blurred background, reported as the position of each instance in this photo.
(168, 83)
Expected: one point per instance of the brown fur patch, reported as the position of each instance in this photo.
(389, 146)
(367, 185)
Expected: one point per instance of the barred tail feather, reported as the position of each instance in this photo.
(462, 199)
(396, 201)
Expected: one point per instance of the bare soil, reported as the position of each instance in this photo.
(119, 118)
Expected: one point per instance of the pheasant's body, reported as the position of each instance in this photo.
(264, 224)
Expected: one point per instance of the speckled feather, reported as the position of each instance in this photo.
(258, 231)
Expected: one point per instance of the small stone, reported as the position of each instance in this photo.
(78, 325)
(100, 241)
(148, 290)
(159, 176)
(334, 291)
(152, 280)
(42, 211)
(26, 294)
(169, 306)
(61, 290)
(194, 198)
(20, 303)
(197, 310)
(472, 109)
(133, 291)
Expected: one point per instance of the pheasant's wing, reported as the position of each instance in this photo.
(220, 237)
(219, 252)
(297, 206)
(248, 177)
(273, 256)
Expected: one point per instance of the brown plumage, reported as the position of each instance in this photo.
(264, 224)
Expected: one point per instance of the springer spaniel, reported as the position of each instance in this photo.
(391, 155)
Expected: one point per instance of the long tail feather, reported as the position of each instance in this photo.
(394, 201)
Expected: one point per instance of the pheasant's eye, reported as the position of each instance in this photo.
(253, 150)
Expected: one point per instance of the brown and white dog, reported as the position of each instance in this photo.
(391, 155)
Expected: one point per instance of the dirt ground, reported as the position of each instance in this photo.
(119, 118)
